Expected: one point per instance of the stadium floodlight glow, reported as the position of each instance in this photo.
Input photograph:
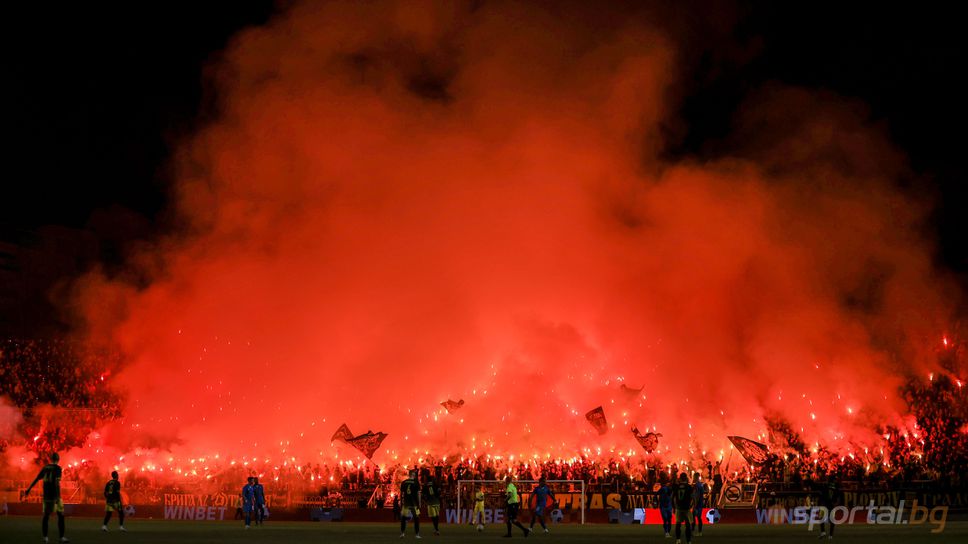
(497, 487)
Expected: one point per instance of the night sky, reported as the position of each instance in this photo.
(99, 98)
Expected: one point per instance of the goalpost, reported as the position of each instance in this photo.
(494, 487)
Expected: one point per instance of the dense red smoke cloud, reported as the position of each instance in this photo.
(399, 204)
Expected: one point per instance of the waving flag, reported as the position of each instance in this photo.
(648, 441)
(632, 393)
(452, 406)
(343, 433)
(754, 452)
(597, 418)
(367, 443)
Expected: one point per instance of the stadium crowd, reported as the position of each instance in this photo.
(63, 395)
(60, 388)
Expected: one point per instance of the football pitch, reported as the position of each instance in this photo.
(26, 530)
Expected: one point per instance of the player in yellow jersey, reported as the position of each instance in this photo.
(478, 514)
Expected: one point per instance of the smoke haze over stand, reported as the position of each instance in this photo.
(397, 207)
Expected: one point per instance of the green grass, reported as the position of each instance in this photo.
(17, 530)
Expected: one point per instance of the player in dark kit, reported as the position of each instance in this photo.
(665, 508)
(514, 504)
(828, 499)
(410, 493)
(701, 489)
(541, 495)
(683, 497)
(431, 496)
(259, 495)
(112, 496)
(51, 475)
(248, 500)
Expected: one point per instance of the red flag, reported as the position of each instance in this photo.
(597, 418)
(452, 406)
(343, 433)
(367, 443)
(648, 441)
(754, 452)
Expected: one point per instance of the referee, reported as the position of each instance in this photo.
(514, 504)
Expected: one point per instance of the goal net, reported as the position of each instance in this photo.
(568, 506)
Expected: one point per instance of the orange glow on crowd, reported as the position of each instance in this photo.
(372, 226)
